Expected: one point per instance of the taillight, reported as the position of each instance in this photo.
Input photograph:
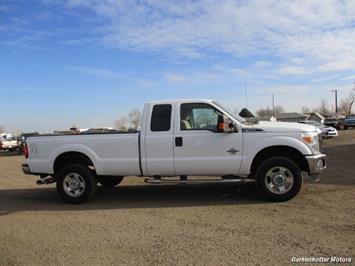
(25, 150)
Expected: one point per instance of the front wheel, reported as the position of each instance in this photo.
(278, 179)
(76, 183)
(110, 181)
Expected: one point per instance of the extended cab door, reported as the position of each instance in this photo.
(199, 148)
(158, 140)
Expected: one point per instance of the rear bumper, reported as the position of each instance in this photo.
(316, 163)
(26, 169)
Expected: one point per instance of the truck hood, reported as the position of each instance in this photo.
(277, 127)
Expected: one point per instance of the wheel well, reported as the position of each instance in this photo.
(71, 158)
(283, 151)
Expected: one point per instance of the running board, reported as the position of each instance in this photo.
(195, 181)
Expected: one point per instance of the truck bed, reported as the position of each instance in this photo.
(110, 152)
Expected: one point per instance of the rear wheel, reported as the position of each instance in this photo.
(110, 181)
(76, 183)
(278, 179)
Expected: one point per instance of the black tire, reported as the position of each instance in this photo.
(345, 127)
(110, 181)
(261, 178)
(87, 177)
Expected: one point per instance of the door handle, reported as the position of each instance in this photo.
(233, 151)
(178, 142)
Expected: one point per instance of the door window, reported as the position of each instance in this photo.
(161, 118)
(198, 116)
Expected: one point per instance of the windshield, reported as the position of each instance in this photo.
(236, 117)
(314, 123)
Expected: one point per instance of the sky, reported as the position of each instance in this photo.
(87, 62)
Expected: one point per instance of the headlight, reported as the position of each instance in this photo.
(311, 138)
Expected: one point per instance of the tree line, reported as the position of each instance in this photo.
(131, 121)
(345, 107)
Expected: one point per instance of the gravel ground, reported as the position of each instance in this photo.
(141, 224)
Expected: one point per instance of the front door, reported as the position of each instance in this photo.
(198, 147)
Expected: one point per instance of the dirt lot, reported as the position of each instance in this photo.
(144, 224)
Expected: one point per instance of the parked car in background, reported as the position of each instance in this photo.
(22, 139)
(10, 143)
(326, 131)
(331, 132)
(99, 130)
(318, 126)
(3, 136)
(335, 121)
(349, 121)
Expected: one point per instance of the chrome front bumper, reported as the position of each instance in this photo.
(316, 163)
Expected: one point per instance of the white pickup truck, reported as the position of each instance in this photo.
(180, 138)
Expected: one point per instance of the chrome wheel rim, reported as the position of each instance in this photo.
(74, 185)
(279, 180)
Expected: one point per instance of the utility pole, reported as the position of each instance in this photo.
(336, 100)
(273, 105)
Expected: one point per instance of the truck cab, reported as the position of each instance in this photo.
(187, 138)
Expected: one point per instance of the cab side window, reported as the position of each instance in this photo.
(161, 118)
(198, 116)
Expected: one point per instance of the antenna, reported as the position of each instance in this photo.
(246, 93)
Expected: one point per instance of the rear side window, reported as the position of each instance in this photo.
(161, 118)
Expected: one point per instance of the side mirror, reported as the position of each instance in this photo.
(225, 124)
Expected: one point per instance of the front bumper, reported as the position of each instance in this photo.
(316, 163)
(332, 134)
(349, 123)
(26, 169)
